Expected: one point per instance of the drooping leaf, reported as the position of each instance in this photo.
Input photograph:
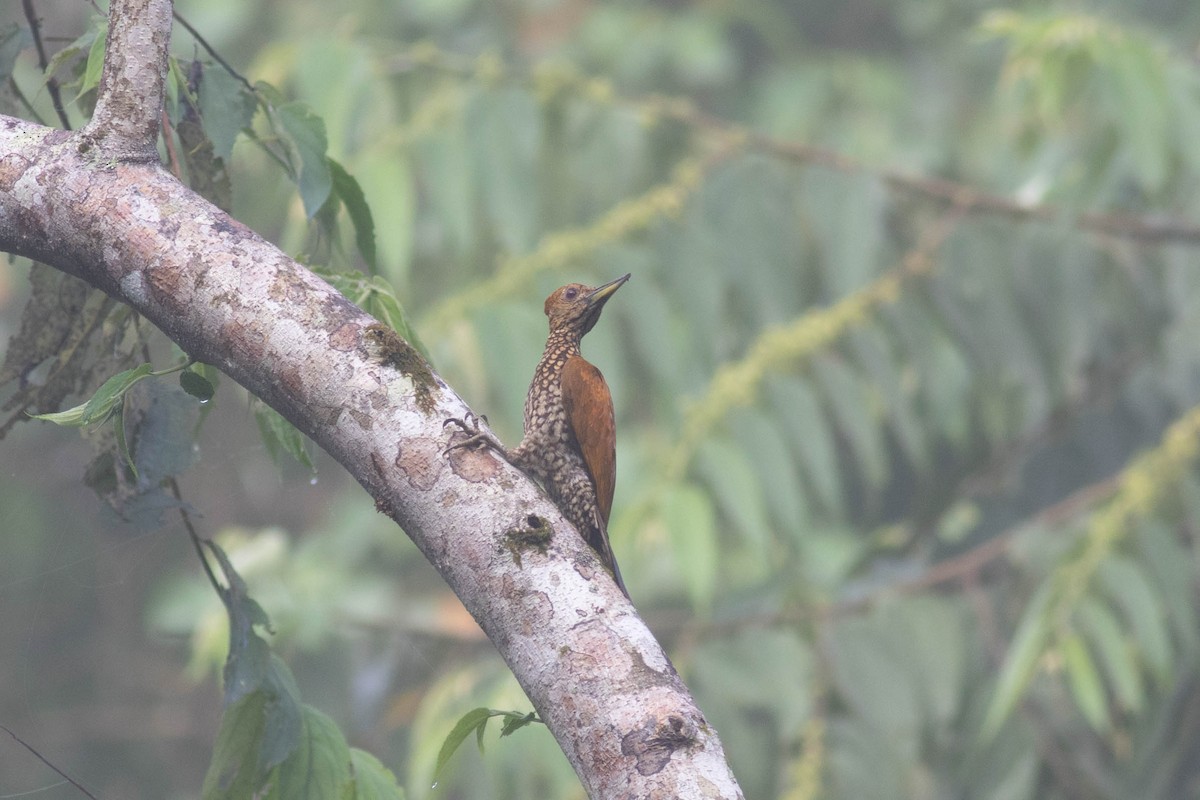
(799, 413)
(732, 483)
(372, 780)
(352, 197)
(95, 61)
(280, 436)
(307, 133)
(1114, 651)
(1085, 683)
(319, 767)
(233, 772)
(1126, 584)
(226, 108)
(196, 385)
(850, 405)
(474, 721)
(1024, 651)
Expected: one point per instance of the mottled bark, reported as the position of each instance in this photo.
(93, 205)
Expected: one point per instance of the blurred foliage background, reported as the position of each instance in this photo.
(907, 383)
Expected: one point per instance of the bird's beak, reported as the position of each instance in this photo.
(599, 296)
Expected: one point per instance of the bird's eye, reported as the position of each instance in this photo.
(572, 292)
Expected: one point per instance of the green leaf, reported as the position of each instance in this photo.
(850, 405)
(1025, 650)
(226, 109)
(123, 441)
(70, 418)
(103, 404)
(475, 721)
(869, 681)
(95, 62)
(691, 523)
(233, 773)
(929, 633)
(319, 768)
(74, 50)
(351, 194)
(776, 469)
(1127, 585)
(1084, 680)
(196, 385)
(513, 722)
(1169, 565)
(799, 413)
(372, 780)
(732, 482)
(280, 436)
(1099, 626)
(307, 133)
(248, 661)
(112, 392)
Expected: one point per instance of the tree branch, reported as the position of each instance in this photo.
(588, 663)
(124, 126)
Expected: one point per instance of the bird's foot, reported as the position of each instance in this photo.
(469, 425)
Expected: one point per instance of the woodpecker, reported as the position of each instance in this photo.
(570, 432)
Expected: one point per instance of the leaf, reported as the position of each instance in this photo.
(1024, 651)
(475, 721)
(74, 50)
(800, 415)
(871, 681)
(280, 436)
(1126, 583)
(849, 404)
(1169, 566)
(122, 441)
(103, 404)
(307, 133)
(739, 495)
(196, 385)
(233, 772)
(775, 467)
(319, 768)
(111, 392)
(930, 634)
(165, 432)
(691, 522)
(95, 61)
(771, 671)
(1084, 680)
(226, 109)
(248, 660)
(1099, 626)
(351, 194)
(372, 780)
(513, 722)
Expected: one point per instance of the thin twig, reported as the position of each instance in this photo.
(51, 81)
(46, 761)
(210, 50)
(197, 542)
(962, 196)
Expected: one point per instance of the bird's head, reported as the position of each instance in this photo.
(577, 307)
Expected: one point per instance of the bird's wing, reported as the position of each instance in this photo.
(589, 408)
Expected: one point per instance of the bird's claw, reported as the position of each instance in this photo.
(468, 424)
